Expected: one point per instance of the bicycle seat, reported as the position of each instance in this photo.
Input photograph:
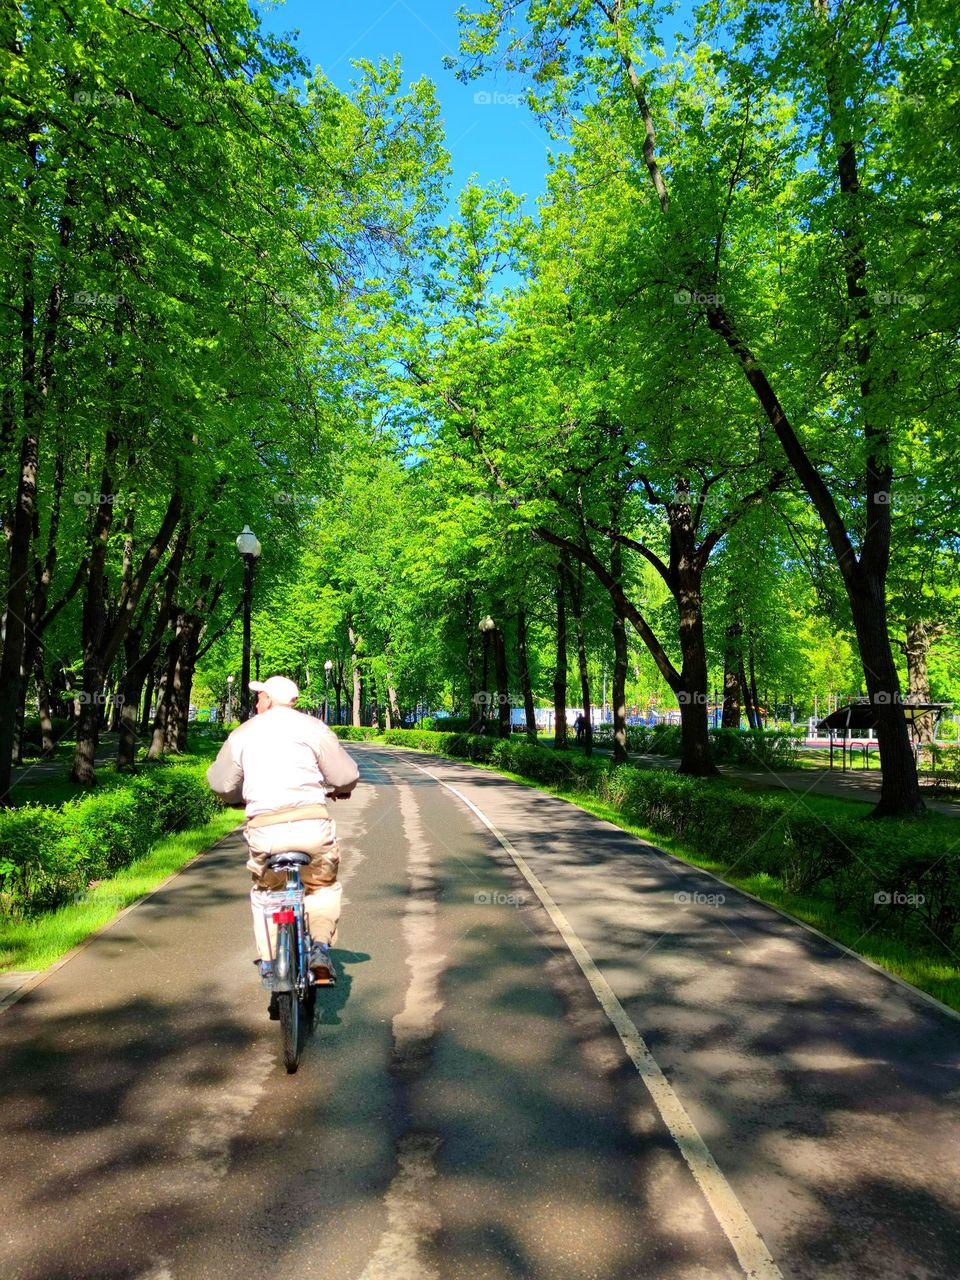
(281, 861)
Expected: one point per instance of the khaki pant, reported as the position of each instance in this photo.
(315, 836)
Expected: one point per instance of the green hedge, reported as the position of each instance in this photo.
(771, 748)
(49, 855)
(354, 733)
(849, 859)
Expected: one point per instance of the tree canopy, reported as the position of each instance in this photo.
(690, 427)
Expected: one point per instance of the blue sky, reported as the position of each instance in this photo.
(494, 138)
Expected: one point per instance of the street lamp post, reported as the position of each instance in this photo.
(327, 668)
(257, 655)
(485, 627)
(249, 548)
(229, 699)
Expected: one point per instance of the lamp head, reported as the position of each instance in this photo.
(248, 543)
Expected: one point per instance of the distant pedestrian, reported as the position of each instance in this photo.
(580, 728)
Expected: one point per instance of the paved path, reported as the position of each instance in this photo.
(466, 1109)
(58, 770)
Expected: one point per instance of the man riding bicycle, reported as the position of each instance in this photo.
(284, 766)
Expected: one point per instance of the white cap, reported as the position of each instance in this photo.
(278, 689)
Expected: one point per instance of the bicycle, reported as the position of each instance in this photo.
(291, 980)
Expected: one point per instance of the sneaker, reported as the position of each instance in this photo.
(266, 971)
(273, 1009)
(321, 966)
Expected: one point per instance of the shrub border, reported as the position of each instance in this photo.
(391, 743)
(11, 998)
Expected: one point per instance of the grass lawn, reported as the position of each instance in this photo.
(42, 785)
(38, 942)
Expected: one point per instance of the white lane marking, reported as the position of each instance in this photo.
(753, 1255)
(159, 1271)
(418, 1018)
(412, 1217)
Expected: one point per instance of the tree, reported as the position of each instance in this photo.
(845, 157)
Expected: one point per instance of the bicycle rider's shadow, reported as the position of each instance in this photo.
(330, 1000)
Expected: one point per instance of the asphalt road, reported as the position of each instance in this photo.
(634, 1080)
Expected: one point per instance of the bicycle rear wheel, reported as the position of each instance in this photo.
(287, 1002)
(289, 1007)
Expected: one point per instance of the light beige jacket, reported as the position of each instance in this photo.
(281, 759)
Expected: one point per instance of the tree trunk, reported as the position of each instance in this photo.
(47, 739)
(374, 708)
(732, 661)
(759, 710)
(526, 686)
(560, 672)
(148, 692)
(470, 625)
(93, 626)
(164, 686)
(131, 687)
(920, 638)
(355, 669)
(620, 665)
(102, 640)
(576, 603)
(178, 720)
(687, 563)
(696, 758)
(503, 682)
(392, 712)
(749, 709)
(11, 683)
(899, 787)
